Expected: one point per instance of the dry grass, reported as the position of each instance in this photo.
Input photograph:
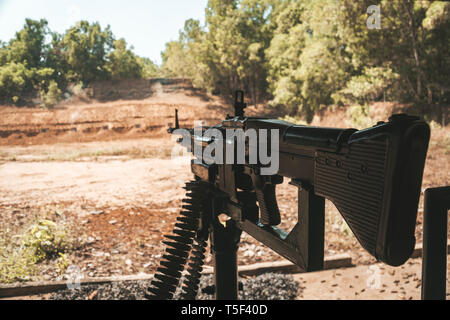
(91, 151)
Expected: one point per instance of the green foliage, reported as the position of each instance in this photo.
(56, 59)
(77, 88)
(294, 120)
(86, 47)
(122, 63)
(23, 66)
(29, 44)
(228, 52)
(413, 41)
(367, 87)
(359, 116)
(309, 53)
(148, 68)
(435, 36)
(301, 54)
(175, 60)
(46, 237)
(40, 61)
(306, 62)
(15, 265)
(52, 96)
(63, 262)
(15, 80)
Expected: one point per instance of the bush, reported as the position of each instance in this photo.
(20, 254)
(359, 116)
(15, 265)
(15, 80)
(367, 87)
(47, 238)
(52, 96)
(77, 89)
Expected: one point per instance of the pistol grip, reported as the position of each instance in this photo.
(267, 200)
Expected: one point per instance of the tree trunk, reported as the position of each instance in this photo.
(430, 95)
(255, 91)
(409, 7)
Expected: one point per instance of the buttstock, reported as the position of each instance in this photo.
(376, 185)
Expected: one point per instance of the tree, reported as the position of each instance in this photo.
(238, 34)
(23, 67)
(37, 60)
(14, 81)
(286, 45)
(3, 53)
(175, 60)
(52, 96)
(28, 46)
(122, 63)
(56, 59)
(226, 54)
(307, 61)
(149, 68)
(86, 47)
(435, 41)
(413, 41)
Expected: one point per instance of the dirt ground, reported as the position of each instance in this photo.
(107, 167)
(95, 120)
(375, 282)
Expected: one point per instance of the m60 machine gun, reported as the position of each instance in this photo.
(372, 176)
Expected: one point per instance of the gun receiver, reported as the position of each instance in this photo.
(372, 176)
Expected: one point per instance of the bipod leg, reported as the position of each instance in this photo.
(434, 256)
(224, 244)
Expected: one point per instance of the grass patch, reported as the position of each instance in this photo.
(133, 152)
(47, 237)
(163, 152)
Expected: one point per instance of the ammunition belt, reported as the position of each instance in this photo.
(186, 246)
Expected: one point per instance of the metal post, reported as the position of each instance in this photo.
(434, 256)
(311, 218)
(224, 244)
(310, 236)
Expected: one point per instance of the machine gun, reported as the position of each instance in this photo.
(372, 176)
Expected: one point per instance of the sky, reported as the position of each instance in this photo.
(147, 25)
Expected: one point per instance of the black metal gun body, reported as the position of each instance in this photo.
(372, 176)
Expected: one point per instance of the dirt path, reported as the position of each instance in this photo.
(139, 200)
(150, 183)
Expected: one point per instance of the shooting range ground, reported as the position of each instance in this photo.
(101, 163)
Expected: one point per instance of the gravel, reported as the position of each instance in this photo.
(268, 286)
